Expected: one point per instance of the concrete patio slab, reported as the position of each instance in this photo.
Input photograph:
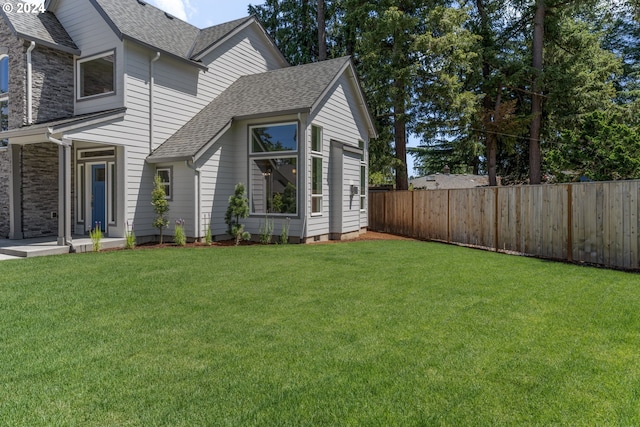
(46, 246)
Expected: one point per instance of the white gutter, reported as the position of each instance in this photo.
(30, 84)
(152, 80)
(191, 165)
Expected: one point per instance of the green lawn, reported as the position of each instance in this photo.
(373, 333)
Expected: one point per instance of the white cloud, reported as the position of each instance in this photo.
(177, 8)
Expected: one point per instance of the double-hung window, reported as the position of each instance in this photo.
(165, 181)
(4, 96)
(273, 169)
(96, 75)
(316, 170)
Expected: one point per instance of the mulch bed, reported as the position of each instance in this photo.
(369, 235)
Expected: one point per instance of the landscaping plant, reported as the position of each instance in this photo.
(266, 230)
(284, 235)
(179, 238)
(96, 236)
(130, 236)
(160, 205)
(238, 208)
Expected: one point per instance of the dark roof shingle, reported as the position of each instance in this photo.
(43, 28)
(283, 91)
(155, 28)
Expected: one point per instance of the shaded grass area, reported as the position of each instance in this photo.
(365, 333)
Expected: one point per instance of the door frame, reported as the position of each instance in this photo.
(91, 199)
(84, 184)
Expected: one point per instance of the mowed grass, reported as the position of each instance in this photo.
(373, 333)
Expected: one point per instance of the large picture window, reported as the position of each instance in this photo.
(4, 97)
(96, 75)
(273, 169)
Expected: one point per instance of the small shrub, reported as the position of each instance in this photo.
(284, 235)
(96, 237)
(208, 240)
(266, 231)
(179, 237)
(238, 208)
(130, 236)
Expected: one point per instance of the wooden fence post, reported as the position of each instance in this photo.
(495, 219)
(448, 216)
(569, 222)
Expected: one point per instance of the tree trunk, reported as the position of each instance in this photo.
(535, 155)
(322, 30)
(491, 139)
(400, 136)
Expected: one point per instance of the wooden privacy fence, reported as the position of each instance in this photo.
(587, 222)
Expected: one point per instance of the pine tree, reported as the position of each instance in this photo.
(238, 208)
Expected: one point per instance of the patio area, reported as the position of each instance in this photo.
(44, 246)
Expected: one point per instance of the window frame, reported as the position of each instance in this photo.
(80, 61)
(286, 155)
(4, 98)
(169, 170)
(317, 141)
(363, 177)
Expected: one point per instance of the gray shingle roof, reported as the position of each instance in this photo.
(283, 91)
(149, 25)
(210, 36)
(43, 28)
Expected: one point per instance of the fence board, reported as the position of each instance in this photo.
(602, 219)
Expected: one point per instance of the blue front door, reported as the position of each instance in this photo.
(98, 196)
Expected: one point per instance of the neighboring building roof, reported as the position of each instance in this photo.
(285, 91)
(449, 182)
(42, 28)
(150, 26)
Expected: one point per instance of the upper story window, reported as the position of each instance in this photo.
(4, 96)
(96, 75)
(266, 139)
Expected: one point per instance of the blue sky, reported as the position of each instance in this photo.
(205, 13)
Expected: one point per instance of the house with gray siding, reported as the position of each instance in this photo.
(98, 97)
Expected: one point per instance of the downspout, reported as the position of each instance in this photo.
(30, 84)
(191, 165)
(64, 198)
(152, 80)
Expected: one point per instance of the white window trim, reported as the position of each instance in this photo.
(363, 166)
(317, 155)
(79, 62)
(112, 183)
(81, 182)
(289, 154)
(170, 184)
(321, 139)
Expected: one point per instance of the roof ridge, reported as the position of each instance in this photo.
(240, 21)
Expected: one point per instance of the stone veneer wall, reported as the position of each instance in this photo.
(53, 96)
(16, 113)
(5, 171)
(52, 84)
(40, 190)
